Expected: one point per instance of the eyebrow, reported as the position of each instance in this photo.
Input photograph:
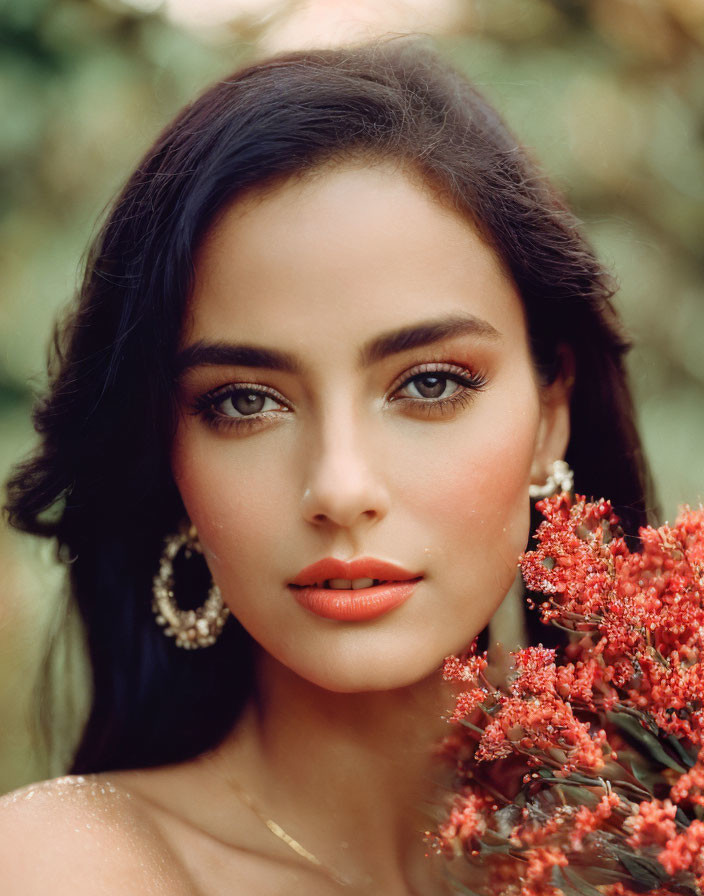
(225, 354)
(426, 333)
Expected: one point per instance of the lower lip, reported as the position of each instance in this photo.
(355, 605)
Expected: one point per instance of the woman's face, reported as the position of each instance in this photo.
(356, 383)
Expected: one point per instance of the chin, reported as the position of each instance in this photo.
(371, 684)
(377, 658)
(383, 673)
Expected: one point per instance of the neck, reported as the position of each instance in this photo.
(350, 776)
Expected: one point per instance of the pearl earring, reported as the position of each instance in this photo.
(560, 479)
(189, 628)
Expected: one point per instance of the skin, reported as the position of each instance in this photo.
(344, 466)
(345, 460)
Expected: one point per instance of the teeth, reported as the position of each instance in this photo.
(338, 583)
(362, 583)
(349, 584)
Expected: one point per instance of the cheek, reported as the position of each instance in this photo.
(231, 502)
(476, 487)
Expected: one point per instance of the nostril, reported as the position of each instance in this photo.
(344, 500)
(343, 519)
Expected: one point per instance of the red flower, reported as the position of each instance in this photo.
(580, 766)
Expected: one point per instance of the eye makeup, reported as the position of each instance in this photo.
(241, 406)
(434, 378)
(433, 389)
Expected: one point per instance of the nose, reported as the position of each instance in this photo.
(343, 488)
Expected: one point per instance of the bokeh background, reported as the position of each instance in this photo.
(609, 94)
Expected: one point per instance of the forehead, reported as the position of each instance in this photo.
(339, 253)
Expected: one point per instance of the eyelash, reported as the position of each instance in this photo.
(469, 382)
(205, 406)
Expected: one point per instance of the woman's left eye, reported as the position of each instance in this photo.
(432, 385)
(437, 385)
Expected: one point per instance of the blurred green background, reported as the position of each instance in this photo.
(609, 94)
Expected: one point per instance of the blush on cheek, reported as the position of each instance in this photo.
(492, 515)
(507, 516)
(480, 497)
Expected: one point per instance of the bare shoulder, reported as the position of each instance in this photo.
(79, 835)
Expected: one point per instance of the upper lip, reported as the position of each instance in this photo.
(361, 568)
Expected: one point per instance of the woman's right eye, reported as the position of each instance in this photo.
(238, 405)
(243, 402)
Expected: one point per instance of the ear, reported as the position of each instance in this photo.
(554, 427)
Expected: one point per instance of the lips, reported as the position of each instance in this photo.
(370, 588)
(362, 568)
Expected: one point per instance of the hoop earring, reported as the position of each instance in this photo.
(190, 629)
(560, 479)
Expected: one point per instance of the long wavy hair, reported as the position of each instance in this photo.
(100, 481)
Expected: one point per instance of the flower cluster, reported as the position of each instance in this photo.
(583, 771)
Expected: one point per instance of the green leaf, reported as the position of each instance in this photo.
(643, 776)
(653, 746)
(686, 758)
(581, 886)
(644, 871)
(600, 875)
(559, 880)
(471, 727)
(493, 843)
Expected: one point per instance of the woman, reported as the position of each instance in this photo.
(335, 327)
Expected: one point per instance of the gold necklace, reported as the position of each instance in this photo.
(246, 798)
(293, 844)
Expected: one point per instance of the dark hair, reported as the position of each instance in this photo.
(100, 482)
